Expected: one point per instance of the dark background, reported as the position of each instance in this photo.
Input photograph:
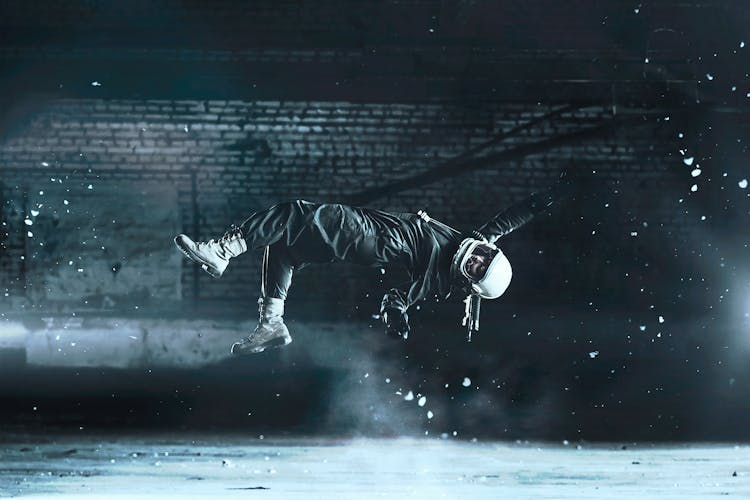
(627, 315)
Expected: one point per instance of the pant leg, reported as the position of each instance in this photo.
(283, 221)
(299, 233)
(277, 271)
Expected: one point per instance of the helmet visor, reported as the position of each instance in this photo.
(478, 261)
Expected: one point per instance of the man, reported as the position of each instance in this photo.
(439, 258)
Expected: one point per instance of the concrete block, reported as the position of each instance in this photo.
(105, 345)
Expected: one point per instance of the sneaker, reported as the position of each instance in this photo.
(213, 255)
(267, 335)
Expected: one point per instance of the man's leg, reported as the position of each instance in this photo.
(277, 277)
(285, 222)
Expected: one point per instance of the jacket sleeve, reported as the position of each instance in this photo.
(523, 211)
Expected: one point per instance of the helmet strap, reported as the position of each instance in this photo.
(473, 303)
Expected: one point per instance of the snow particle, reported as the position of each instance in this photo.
(430, 414)
(742, 183)
(409, 396)
(422, 401)
(96, 84)
(709, 76)
(466, 382)
(688, 161)
(661, 319)
(696, 172)
(694, 188)
(593, 354)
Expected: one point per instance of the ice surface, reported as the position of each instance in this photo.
(193, 466)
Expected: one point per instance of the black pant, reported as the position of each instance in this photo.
(300, 232)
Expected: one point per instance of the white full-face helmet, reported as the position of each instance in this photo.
(485, 266)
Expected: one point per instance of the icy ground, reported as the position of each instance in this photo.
(232, 467)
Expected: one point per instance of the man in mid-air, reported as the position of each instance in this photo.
(439, 258)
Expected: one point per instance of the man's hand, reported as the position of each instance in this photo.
(396, 322)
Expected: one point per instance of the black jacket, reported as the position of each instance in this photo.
(430, 247)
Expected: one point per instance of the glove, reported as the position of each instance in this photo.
(396, 322)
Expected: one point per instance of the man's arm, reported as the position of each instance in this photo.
(394, 305)
(393, 313)
(523, 211)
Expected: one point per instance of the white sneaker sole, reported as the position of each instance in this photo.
(271, 344)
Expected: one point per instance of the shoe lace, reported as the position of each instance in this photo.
(233, 232)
